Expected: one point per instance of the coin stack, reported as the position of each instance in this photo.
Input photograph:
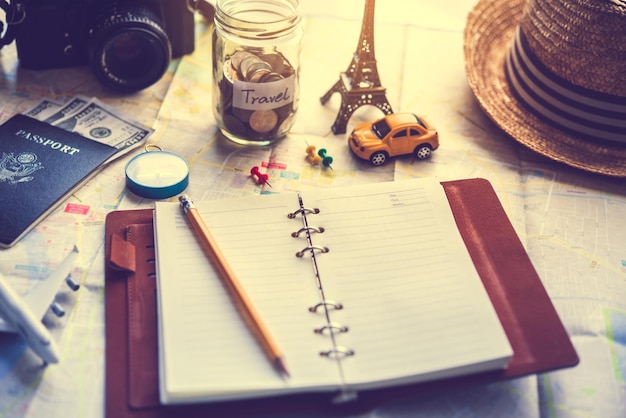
(251, 67)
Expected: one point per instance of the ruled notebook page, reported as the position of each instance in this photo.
(414, 305)
(206, 351)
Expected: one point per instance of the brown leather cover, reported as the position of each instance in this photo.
(539, 340)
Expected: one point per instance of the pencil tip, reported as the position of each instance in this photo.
(282, 369)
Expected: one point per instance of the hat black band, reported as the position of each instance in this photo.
(575, 109)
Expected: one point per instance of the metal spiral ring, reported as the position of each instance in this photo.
(312, 248)
(328, 304)
(303, 210)
(331, 328)
(319, 230)
(337, 352)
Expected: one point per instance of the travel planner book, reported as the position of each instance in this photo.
(373, 287)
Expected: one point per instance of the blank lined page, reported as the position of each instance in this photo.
(206, 350)
(414, 305)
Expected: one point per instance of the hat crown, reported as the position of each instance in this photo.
(537, 106)
(581, 41)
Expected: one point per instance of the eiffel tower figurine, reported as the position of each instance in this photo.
(359, 85)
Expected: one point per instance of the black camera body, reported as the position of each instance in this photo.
(127, 43)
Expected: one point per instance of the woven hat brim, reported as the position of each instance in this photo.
(490, 28)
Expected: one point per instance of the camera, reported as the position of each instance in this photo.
(127, 43)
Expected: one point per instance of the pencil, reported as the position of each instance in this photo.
(236, 291)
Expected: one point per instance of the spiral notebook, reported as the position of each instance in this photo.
(539, 340)
(362, 287)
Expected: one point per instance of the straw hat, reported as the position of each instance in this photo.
(552, 74)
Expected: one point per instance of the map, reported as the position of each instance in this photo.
(570, 222)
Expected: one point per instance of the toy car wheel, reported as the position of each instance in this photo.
(423, 151)
(378, 158)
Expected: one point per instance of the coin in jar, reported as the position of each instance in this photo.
(253, 64)
(270, 77)
(263, 120)
(275, 61)
(258, 76)
(229, 72)
(239, 56)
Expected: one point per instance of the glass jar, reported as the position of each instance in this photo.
(256, 59)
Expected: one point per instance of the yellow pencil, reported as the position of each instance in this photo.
(235, 289)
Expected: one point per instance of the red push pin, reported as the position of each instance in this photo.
(260, 177)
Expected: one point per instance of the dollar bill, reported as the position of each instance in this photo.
(68, 108)
(97, 121)
(44, 109)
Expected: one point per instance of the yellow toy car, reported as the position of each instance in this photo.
(392, 135)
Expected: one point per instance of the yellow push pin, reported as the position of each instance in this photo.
(311, 157)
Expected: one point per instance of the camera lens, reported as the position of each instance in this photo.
(129, 50)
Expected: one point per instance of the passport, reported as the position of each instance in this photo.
(40, 167)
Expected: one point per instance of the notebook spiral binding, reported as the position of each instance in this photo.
(338, 352)
(325, 306)
(328, 304)
(302, 211)
(312, 249)
(319, 230)
(332, 327)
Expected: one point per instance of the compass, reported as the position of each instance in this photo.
(157, 174)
